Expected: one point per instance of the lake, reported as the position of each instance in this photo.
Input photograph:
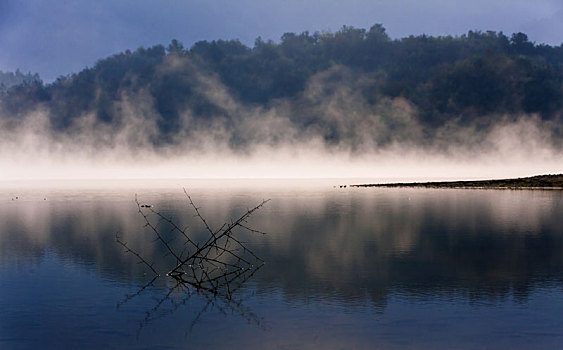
(345, 268)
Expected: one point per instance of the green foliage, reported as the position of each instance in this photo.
(463, 77)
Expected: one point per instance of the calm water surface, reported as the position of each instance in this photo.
(345, 269)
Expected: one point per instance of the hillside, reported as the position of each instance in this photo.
(355, 87)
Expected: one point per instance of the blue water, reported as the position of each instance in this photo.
(345, 269)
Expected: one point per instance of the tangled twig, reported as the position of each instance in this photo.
(219, 264)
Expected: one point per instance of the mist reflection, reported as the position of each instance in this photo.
(350, 246)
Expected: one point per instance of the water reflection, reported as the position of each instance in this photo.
(380, 266)
(351, 246)
(214, 267)
(177, 298)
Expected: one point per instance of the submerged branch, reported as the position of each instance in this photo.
(214, 239)
(214, 267)
(218, 264)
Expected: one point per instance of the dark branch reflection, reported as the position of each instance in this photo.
(214, 267)
(179, 296)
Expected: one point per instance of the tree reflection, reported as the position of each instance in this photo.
(352, 246)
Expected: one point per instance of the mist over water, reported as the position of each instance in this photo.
(218, 169)
(371, 267)
(344, 137)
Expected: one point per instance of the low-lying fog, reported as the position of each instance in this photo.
(349, 139)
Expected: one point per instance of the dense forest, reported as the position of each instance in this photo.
(9, 79)
(326, 83)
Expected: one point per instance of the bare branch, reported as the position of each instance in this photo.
(155, 230)
(197, 213)
(129, 250)
(216, 266)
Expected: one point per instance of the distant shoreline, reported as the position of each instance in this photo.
(539, 182)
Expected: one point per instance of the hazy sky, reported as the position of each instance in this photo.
(57, 37)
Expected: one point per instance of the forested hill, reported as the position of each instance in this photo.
(471, 78)
(9, 79)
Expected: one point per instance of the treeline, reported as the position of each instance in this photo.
(463, 77)
(9, 79)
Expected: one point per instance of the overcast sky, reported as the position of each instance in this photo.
(58, 37)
